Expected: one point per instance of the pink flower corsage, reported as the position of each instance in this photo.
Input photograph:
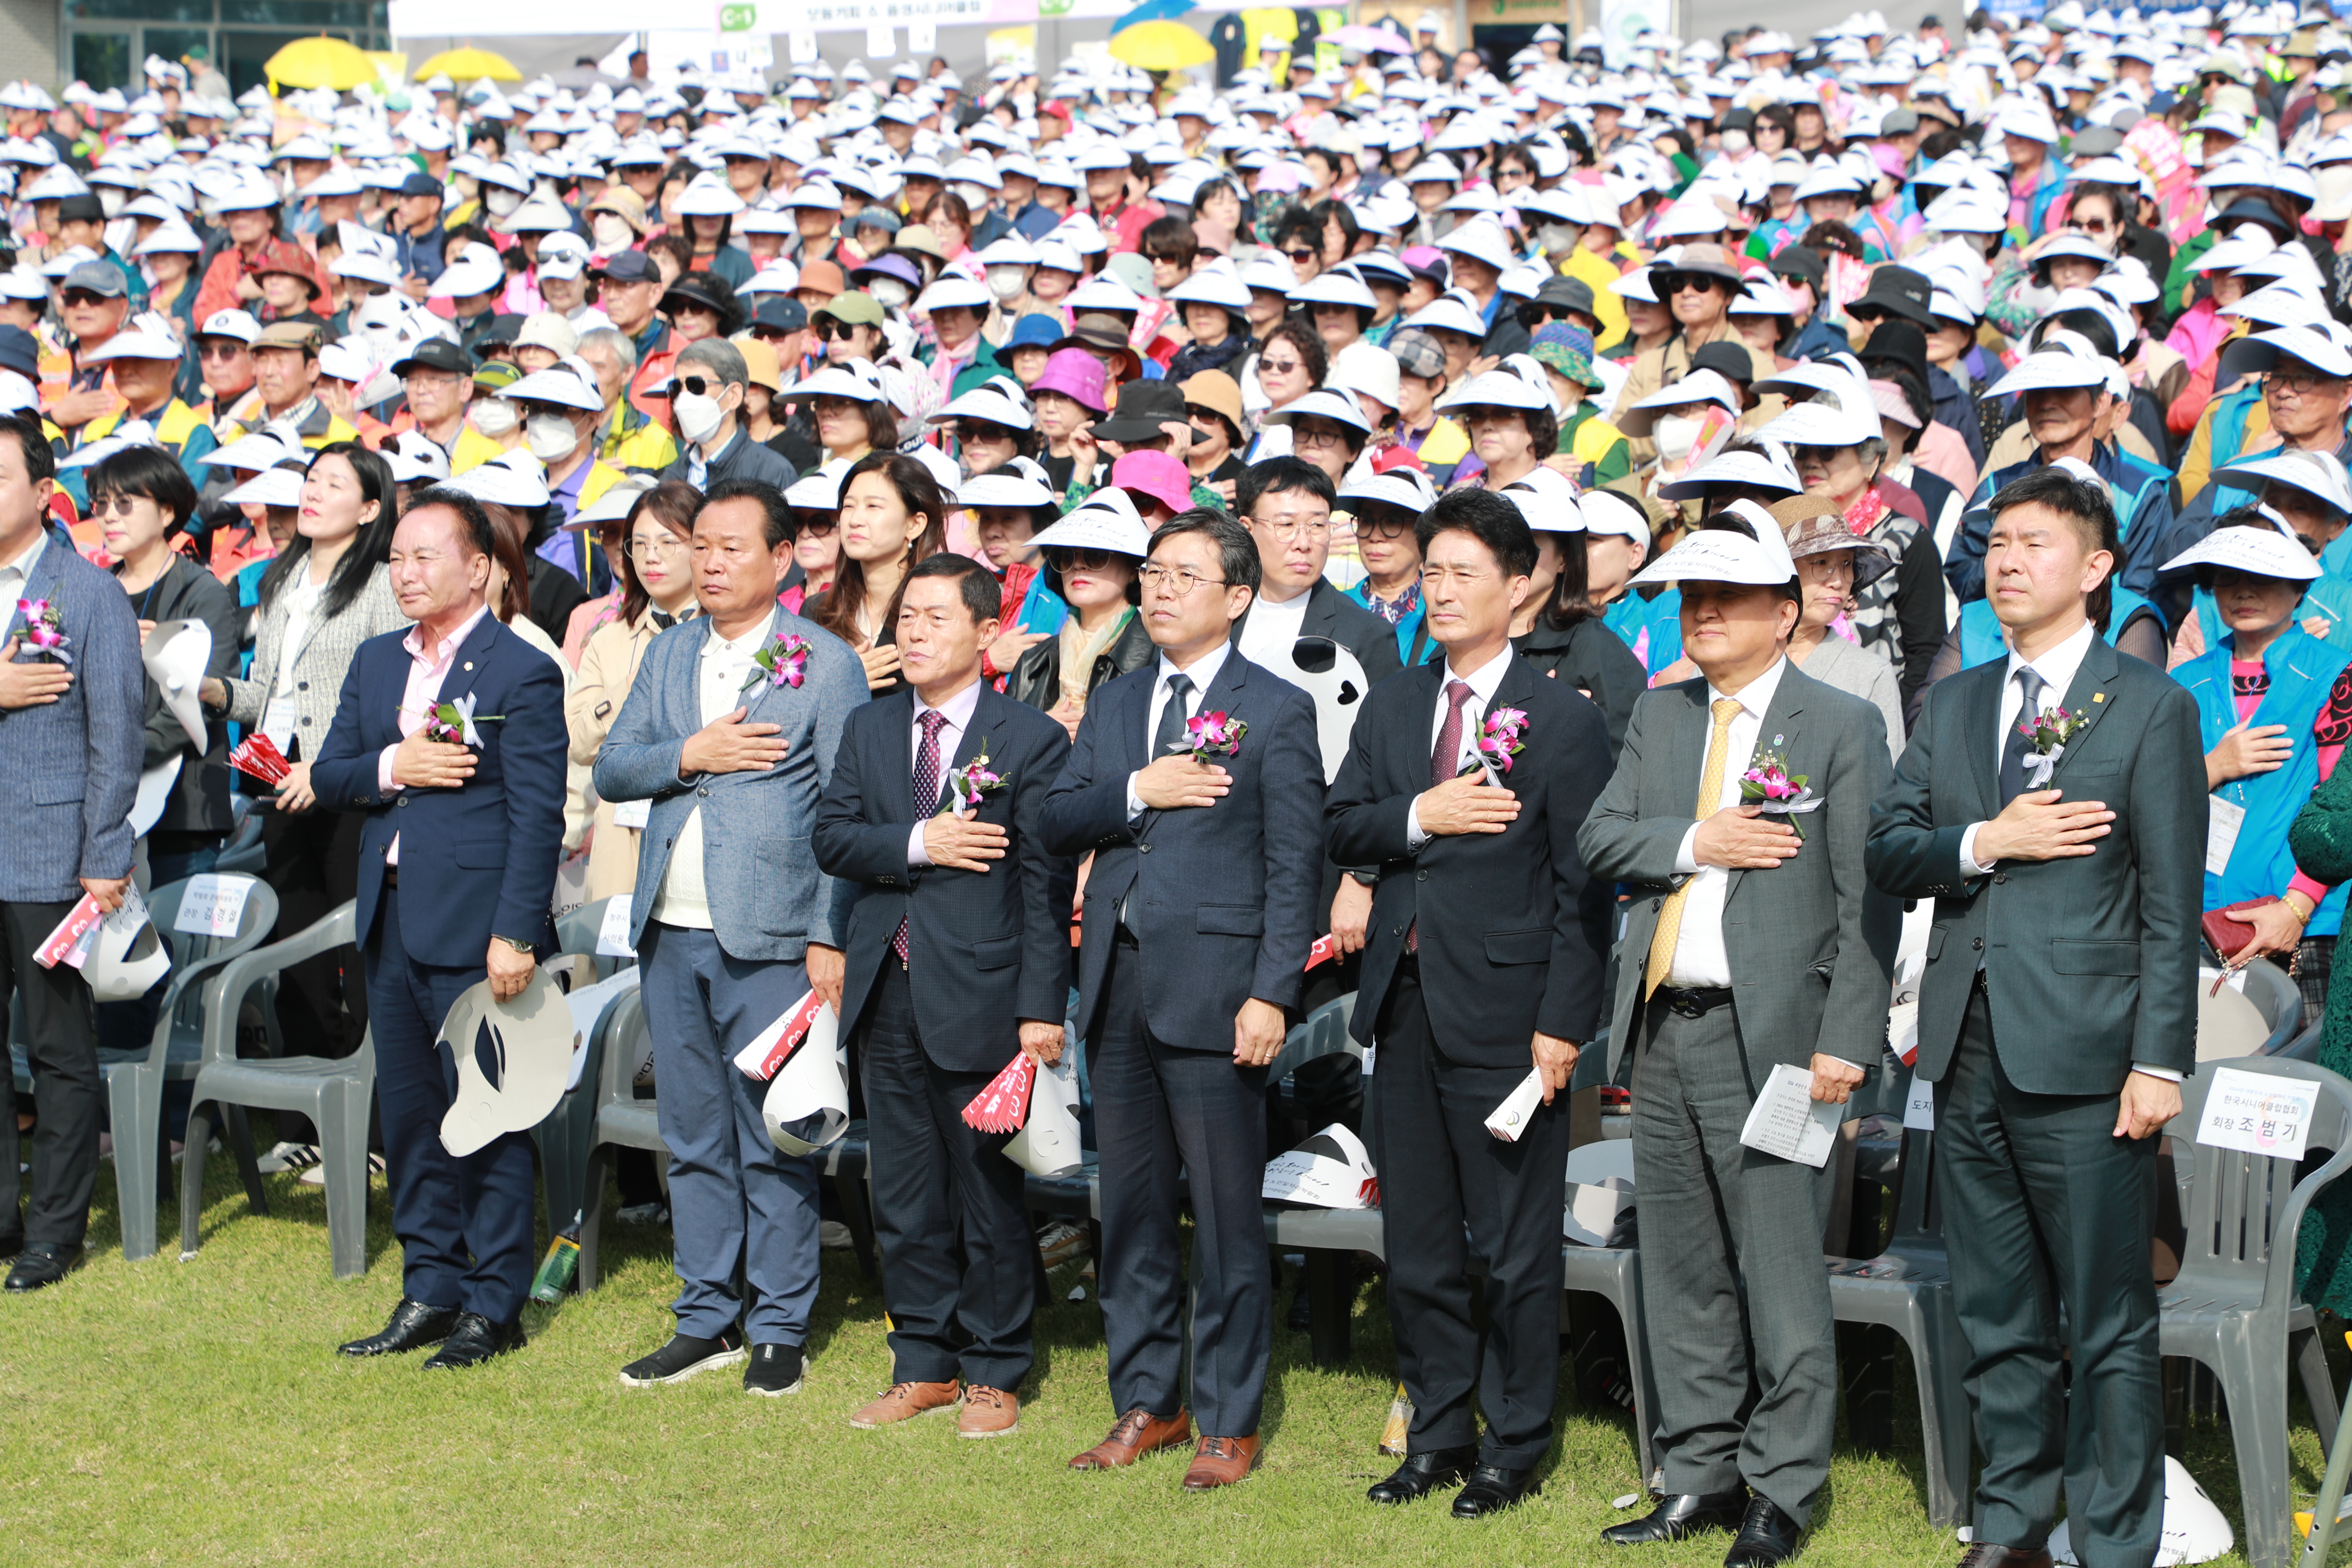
(783, 662)
(970, 784)
(1212, 735)
(1498, 741)
(2048, 733)
(45, 628)
(1768, 784)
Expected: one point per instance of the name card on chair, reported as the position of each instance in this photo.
(2257, 1112)
(212, 905)
(613, 935)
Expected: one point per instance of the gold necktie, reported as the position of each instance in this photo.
(1710, 801)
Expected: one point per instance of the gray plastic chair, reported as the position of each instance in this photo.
(619, 1120)
(1615, 1273)
(2280, 1001)
(2234, 1306)
(135, 1078)
(333, 1093)
(566, 1140)
(1909, 1288)
(1326, 1235)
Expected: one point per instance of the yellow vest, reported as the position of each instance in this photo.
(172, 429)
(472, 450)
(1445, 443)
(649, 447)
(1597, 272)
(1592, 440)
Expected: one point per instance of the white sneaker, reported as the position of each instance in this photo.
(1061, 1241)
(289, 1157)
(316, 1177)
(643, 1213)
(832, 1233)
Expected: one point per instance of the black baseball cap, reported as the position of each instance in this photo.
(436, 353)
(1800, 261)
(1895, 291)
(780, 313)
(83, 207)
(628, 266)
(420, 183)
(1727, 359)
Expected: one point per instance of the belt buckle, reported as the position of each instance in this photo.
(1681, 1004)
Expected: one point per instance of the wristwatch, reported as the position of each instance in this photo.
(1365, 879)
(529, 949)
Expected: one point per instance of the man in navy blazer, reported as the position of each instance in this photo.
(1487, 941)
(731, 729)
(71, 742)
(959, 960)
(1199, 915)
(456, 872)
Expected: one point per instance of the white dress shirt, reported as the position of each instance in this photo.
(958, 711)
(725, 664)
(1203, 675)
(1483, 682)
(2057, 667)
(16, 575)
(1699, 956)
(1273, 628)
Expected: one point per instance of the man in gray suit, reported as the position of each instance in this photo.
(1743, 950)
(733, 922)
(2057, 1016)
(71, 742)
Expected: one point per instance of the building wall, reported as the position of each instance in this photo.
(28, 41)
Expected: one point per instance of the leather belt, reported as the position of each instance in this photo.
(1692, 1001)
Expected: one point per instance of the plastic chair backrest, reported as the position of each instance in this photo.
(2279, 999)
(1918, 1215)
(2244, 1209)
(1592, 1163)
(576, 932)
(224, 988)
(192, 951)
(625, 1024)
(1323, 1032)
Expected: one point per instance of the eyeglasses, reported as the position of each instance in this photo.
(2302, 383)
(834, 407)
(1302, 253)
(1389, 527)
(230, 349)
(1304, 436)
(113, 505)
(1672, 283)
(665, 547)
(1178, 580)
(2094, 225)
(1289, 525)
(1075, 560)
(1278, 366)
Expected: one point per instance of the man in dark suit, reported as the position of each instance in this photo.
(958, 958)
(2057, 1016)
(477, 829)
(70, 743)
(1484, 963)
(1744, 951)
(1287, 502)
(1198, 913)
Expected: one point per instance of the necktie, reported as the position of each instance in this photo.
(2015, 745)
(1710, 801)
(664, 620)
(927, 795)
(1443, 757)
(1171, 718)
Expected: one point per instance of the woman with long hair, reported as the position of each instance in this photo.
(1558, 630)
(892, 515)
(657, 593)
(327, 592)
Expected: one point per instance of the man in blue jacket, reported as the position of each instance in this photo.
(730, 730)
(456, 873)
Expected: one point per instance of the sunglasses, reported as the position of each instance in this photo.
(1071, 560)
(83, 296)
(816, 525)
(1301, 254)
(828, 329)
(979, 430)
(1692, 283)
(695, 385)
(769, 335)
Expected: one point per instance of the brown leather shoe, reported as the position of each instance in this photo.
(904, 1402)
(1134, 1435)
(988, 1413)
(1222, 1461)
(1985, 1555)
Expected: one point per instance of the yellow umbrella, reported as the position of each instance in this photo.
(1160, 46)
(320, 62)
(467, 65)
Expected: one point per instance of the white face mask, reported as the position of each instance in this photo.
(612, 233)
(1674, 434)
(1736, 142)
(975, 197)
(501, 201)
(699, 415)
(889, 293)
(494, 416)
(1559, 239)
(550, 437)
(1006, 282)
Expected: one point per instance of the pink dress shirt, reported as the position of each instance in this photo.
(424, 689)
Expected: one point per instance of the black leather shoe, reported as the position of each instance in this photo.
(1681, 1516)
(1422, 1473)
(1767, 1536)
(1491, 1488)
(476, 1340)
(414, 1326)
(41, 1264)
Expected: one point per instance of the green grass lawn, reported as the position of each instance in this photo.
(195, 1413)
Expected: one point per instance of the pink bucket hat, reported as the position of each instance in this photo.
(1074, 373)
(1154, 474)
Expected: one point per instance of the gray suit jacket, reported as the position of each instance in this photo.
(2090, 963)
(72, 765)
(1803, 976)
(768, 899)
